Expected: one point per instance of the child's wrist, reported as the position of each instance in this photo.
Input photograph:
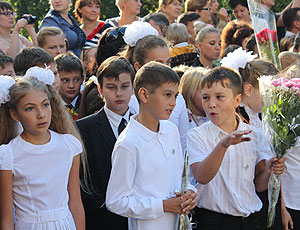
(224, 143)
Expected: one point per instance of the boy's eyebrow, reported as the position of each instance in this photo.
(170, 91)
(46, 99)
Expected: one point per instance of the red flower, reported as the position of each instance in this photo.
(273, 35)
(266, 34)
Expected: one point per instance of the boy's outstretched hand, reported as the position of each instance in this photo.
(276, 166)
(235, 137)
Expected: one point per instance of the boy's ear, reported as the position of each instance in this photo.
(137, 66)
(14, 115)
(248, 89)
(100, 92)
(143, 95)
(238, 99)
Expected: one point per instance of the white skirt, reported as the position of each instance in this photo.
(55, 219)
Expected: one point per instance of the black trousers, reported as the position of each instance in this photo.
(209, 220)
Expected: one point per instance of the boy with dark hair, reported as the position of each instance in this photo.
(188, 19)
(291, 21)
(99, 133)
(70, 70)
(7, 65)
(35, 56)
(231, 171)
(159, 21)
(147, 160)
(29, 57)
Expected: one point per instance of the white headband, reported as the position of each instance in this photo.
(42, 74)
(237, 59)
(6, 82)
(136, 31)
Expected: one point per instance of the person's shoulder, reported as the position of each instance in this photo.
(6, 157)
(113, 21)
(168, 125)
(200, 130)
(51, 19)
(89, 121)
(69, 140)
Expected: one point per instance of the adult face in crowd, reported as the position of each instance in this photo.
(171, 8)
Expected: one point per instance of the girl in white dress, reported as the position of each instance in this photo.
(39, 169)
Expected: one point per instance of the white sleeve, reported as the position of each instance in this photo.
(262, 145)
(180, 118)
(6, 158)
(122, 197)
(196, 147)
(74, 144)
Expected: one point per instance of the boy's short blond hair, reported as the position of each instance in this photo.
(287, 58)
(229, 78)
(177, 33)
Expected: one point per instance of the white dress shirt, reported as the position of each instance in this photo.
(146, 169)
(290, 178)
(179, 116)
(115, 119)
(232, 190)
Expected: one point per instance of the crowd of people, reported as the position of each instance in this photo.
(96, 117)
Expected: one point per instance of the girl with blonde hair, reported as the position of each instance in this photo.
(39, 168)
(190, 89)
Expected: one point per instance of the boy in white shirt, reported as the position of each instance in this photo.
(229, 166)
(147, 160)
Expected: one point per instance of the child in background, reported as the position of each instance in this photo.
(154, 48)
(53, 40)
(7, 65)
(181, 52)
(190, 89)
(70, 70)
(100, 132)
(35, 56)
(287, 58)
(44, 157)
(250, 106)
(231, 171)
(147, 160)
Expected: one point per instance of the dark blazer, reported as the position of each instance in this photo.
(99, 141)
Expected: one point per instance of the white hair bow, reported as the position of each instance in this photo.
(6, 82)
(42, 74)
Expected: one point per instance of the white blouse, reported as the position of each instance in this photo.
(41, 174)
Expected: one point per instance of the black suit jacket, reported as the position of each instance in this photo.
(99, 141)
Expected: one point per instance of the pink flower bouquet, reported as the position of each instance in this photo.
(281, 120)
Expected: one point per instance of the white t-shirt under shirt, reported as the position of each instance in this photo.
(232, 190)
(41, 174)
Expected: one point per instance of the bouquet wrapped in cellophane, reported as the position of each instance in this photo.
(264, 25)
(281, 120)
(184, 221)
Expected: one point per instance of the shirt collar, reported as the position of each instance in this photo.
(114, 117)
(182, 44)
(73, 102)
(144, 132)
(215, 131)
